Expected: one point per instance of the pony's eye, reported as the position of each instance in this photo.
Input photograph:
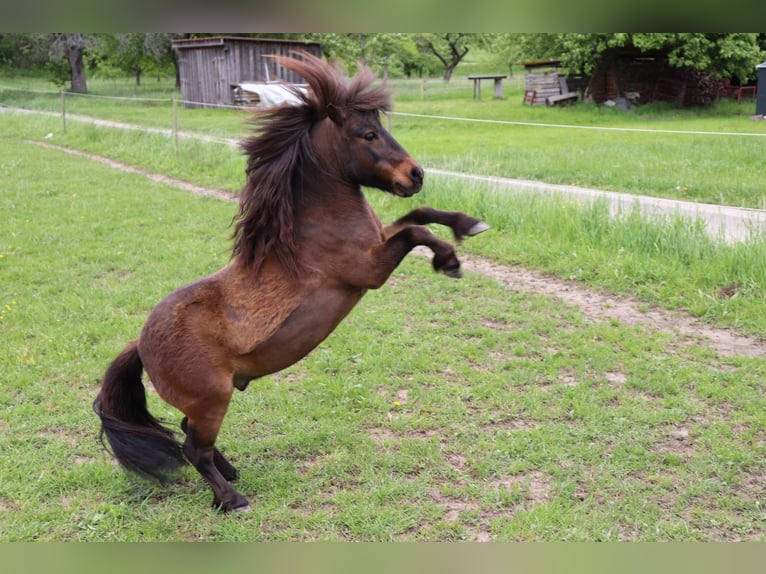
(369, 136)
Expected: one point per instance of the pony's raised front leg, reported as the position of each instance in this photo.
(387, 255)
(462, 225)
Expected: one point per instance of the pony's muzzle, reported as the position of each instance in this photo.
(411, 183)
(416, 175)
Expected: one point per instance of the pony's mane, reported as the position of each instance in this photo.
(280, 150)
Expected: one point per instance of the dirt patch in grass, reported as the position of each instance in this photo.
(527, 490)
(535, 486)
(678, 443)
(184, 185)
(600, 307)
(510, 425)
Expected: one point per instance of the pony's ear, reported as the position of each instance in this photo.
(336, 115)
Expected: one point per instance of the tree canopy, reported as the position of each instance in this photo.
(717, 55)
(67, 57)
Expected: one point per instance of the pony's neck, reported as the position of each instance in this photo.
(320, 189)
(326, 144)
(326, 178)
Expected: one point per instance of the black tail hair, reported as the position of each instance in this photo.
(138, 441)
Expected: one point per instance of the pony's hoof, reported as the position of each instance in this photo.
(245, 509)
(240, 504)
(480, 227)
(454, 273)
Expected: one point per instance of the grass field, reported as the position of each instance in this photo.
(670, 265)
(709, 163)
(440, 410)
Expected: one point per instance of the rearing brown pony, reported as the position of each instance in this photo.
(307, 246)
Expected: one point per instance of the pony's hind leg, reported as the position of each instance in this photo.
(203, 421)
(227, 470)
(202, 455)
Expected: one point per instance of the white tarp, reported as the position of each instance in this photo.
(271, 94)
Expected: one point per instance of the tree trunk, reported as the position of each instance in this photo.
(77, 68)
(176, 68)
(454, 56)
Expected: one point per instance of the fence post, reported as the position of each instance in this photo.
(175, 124)
(63, 109)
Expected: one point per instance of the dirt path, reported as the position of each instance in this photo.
(186, 186)
(599, 307)
(594, 305)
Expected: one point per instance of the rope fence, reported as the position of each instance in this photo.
(576, 127)
(173, 103)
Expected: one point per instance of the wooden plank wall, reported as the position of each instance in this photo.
(200, 70)
(544, 84)
(208, 71)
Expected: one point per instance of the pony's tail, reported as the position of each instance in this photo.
(138, 440)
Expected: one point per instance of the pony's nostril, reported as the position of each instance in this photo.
(416, 173)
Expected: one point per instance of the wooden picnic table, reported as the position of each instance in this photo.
(498, 79)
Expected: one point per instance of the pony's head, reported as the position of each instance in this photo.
(334, 134)
(348, 138)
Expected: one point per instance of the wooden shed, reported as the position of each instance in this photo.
(631, 76)
(211, 68)
(544, 85)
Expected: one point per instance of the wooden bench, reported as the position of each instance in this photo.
(498, 79)
(568, 98)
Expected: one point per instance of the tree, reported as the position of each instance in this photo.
(378, 50)
(71, 47)
(399, 54)
(384, 53)
(135, 52)
(450, 48)
(25, 51)
(717, 55)
(415, 60)
(159, 47)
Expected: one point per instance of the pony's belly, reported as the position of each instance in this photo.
(301, 333)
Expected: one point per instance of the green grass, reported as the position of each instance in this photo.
(671, 262)
(440, 410)
(720, 169)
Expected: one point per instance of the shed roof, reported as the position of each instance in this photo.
(541, 63)
(185, 43)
